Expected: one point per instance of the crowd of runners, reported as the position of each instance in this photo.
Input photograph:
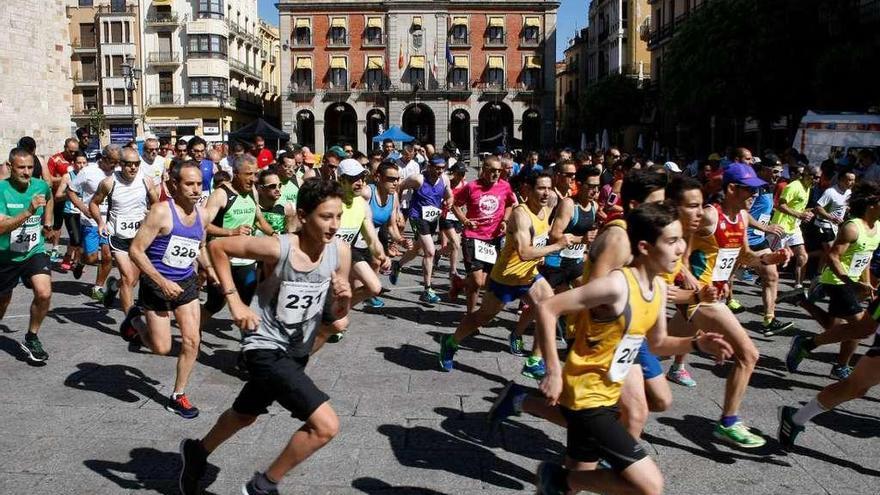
(614, 261)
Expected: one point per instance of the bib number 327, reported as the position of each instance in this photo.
(624, 357)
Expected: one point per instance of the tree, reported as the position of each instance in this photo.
(612, 103)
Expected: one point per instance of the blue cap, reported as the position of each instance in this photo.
(438, 160)
(394, 155)
(500, 150)
(742, 174)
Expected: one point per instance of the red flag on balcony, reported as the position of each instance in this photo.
(400, 57)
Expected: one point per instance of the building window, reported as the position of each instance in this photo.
(117, 5)
(118, 96)
(531, 79)
(417, 77)
(375, 74)
(207, 46)
(302, 34)
(460, 34)
(302, 75)
(495, 72)
(338, 35)
(458, 78)
(87, 35)
(338, 78)
(90, 99)
(115, 32)
(495, 31)
(211, 9)
(115, 68)
(374, 36)
(207, 88)
(86, 3)
(531, 30)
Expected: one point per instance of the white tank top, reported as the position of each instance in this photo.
(127, 206)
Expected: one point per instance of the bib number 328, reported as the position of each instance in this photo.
(624, 357)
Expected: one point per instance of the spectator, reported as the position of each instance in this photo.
(264, 155)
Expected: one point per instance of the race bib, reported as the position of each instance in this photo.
(764, 219)
(203, 198)
(24, 238)
(576, 251)
(624, 356)
(299, 302)
(451, 216)
(348, 234)
(126, 226)
(541, 240)
(361, 243)
(724, 263)
(859, 262)
(181, 252)
(485, 252)
(430, 213)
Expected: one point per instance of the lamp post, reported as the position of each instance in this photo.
(131, 75)
(220, 93)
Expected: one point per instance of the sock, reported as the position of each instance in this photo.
(30, 335)
(450, 341)
(728, 421)
(676, 367)
(810, 344)
(264, 484)
(768, 319)
(518, 400)
(808, 412)
(175, 395)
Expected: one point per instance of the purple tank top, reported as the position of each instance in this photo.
(428, 197)
(173, 255)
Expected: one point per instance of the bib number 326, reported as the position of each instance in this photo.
(624, 357)
(181, 252)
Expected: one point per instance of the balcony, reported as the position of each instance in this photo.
(339, 42)
(163, 20)
(164, 100)
(302, 43)
(116, 9)
(268, 88)
(495, 42)
(645, 30)
(243, 69)
(118, 110)
(530, 42)
(459, 42)
(80, 47)
(375, 42)
(85, 81)
(300, 92)
(86, 110)
(234, 28)
(530, 89)
(459, 89)
(492, 90)
(163, 59)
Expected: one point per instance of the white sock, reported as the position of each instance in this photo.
(808, 412)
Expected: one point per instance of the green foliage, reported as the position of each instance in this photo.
(612, 103)
(97, 121)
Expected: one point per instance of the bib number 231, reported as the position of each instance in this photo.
(299, 302)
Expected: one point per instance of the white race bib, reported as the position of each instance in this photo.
(724, 263)
(181, 252)
(348, 234)
(485, 252)
(451, 216)
(576, 251)
(203, 199)
(430, 213)
(541, 240)
(624, 356)
(299, 302)
(764, 219)
(126, 226)
(859, 262)
(25, 237)
(361, 243)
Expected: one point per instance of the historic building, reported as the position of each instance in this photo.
(478, 73)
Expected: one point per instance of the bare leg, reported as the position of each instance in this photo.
(865, 376)
(472, 322)
(428, 253)
(371, 286)
(157, 333)
(105, 267)
(130, 275)
(187, 317)
(633, 402)
(318, 430)
(474, 282)
(40, 306)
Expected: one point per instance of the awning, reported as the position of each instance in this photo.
(533, 62)
(496, 21)
(460, 61)
(374, 22)
(496, 62)
(374, 62)
(459, 21)
(417, 62)
(338, 63)
(304, 63)
(533, 21)
(304, 23)
(417, 21)
(338, 22)
(162, 3)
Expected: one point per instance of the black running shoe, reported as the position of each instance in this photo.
(180, 405)
(110, 291)
(126, 330)
(78, 270)
(193, 461)
(33, 348)
(788, 429)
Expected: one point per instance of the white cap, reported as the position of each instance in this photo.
(672, 167)
(351, 167)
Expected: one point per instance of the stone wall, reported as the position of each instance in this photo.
(35, 84)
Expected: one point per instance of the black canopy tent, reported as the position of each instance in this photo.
(262, 128)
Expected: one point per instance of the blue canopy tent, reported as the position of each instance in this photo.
(393, 133)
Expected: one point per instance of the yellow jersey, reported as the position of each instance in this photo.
(604, 350)
(509, 269)
(352, 220)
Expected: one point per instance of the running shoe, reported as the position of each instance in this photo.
(516, 344)
(33, 348)
(97, 293)
(429, 296)
(374, 302)
(738, 435)
(336, 337)
(55, 256)
(746, 275)
(774, 327)
(180, 405)
(447, 353)
(788, 429)
(504, 407)
(795, 297)
(550, 477)
(395, 272)
(126, 330)
(193, 461)
(681, 376)
(78, 270)
(798, 287)
(112, 289)
(535, 369)
(456, 283)
(841, 371)
(64, 267)
(735, 306)
(250, 488)
(796, 353)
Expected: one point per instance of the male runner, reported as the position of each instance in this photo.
(790, 211)
(450, 230)
(515, 275)
(277, 212)
(73, 209)
(489, 202)
(625, 308)
(25, 221)
(128, 193)
(308, 285)
(430, 192)
(59, 164)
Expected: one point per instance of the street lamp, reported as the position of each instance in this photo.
(220, 93)
(131, 75)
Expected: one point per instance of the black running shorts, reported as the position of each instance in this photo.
(276, 376)
(13, 272)
(150, 296)
(596, 433)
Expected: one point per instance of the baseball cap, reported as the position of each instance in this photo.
(351, 168)
(337, 151)
(500, 150)
(740, 173)
(394, 155)
(438, 160)
(672, 167)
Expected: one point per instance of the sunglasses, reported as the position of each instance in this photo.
(567, 175)
(151, 150)
(495, 170)
(391, 179)
(124, 162)
(270, 186)
(198, 150)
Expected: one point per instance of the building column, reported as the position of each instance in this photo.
(319, 136)
(361, 144)
(285, 59)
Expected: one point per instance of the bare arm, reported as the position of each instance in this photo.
(563, 216)
(613, 252)
(259, 220)
(8, 224)
(152, 191)
(519, 232)
(97, 199)
(158, 220)
(660, 343)
(215, 203)
(77, 201)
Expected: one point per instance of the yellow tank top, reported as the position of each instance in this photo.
(604, 350)
(352, 220)
(509, 269)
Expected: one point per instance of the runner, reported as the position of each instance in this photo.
(845, 281)
(25, 221)
(515, 275)
(164, 250)
(430, 193)
(790, 212)
(58, 165)
(197, 150)
(278, 212)
(73, 208)
(450, 230)
(128, 193)
(489, 203)
(278, 341)
(625, 308)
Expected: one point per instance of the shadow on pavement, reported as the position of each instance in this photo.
(375, 486)
(13, 348)
(849, 423)
(152, 470)
(475, 343)
(116, 380)
(98, 318)
(223, 360)
(419, 359)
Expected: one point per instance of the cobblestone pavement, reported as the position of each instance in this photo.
(92, 419)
